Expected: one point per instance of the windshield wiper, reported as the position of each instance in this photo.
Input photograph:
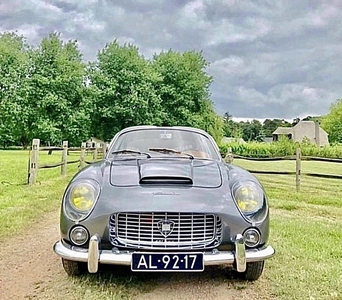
(167, 151)
(129, 151)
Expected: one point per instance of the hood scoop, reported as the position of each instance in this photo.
(163, 171)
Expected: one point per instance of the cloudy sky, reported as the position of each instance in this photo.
(269, 58)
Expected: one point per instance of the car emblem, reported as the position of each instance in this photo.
(166, 227)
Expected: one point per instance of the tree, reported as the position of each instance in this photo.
(209, 121)
(231, 128)
(332, 122)
(184, 88)
(269, 126)
(228, 125)
(14, 65)
(122, 88)
(252, 131)
(55, 91)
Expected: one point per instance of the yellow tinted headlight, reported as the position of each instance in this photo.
(83, 196)
(80, 198)
(248, 196)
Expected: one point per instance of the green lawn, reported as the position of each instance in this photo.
(306, 230)
(20, 203)
(306, 227)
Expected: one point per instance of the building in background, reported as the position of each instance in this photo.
(309, 130)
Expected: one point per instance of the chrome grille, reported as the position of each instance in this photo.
(165, 230)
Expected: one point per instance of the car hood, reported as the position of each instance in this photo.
(169, 171)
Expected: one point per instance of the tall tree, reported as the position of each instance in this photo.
(230, 127)
(184, 88)
(55, 92)
(14, 65)
(122, 90)
(332, 122)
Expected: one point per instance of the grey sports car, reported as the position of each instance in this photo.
(163, 199)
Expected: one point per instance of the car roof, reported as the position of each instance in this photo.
(187, 128)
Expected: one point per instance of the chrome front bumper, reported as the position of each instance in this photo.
(93, 256)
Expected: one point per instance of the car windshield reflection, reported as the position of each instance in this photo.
(171, 141)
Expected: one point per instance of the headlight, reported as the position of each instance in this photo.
(248, 196)
(80, 198)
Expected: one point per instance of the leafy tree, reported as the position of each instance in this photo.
(209, 121)
(54, 92)
(122, 88)
(184, 89)
(228, 125)
(269, 126)
(14, 65)
(252, 131)
(312, 118)
(332, 122)
(231, 128)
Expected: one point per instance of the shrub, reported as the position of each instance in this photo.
(283, 147)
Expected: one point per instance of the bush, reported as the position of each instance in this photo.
(283, 147)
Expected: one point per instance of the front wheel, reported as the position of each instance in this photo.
(253, 271)
(74, 268)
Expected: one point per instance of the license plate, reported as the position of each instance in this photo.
(175, 262)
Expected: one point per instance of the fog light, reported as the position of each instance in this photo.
(251, 237)
(79, 235)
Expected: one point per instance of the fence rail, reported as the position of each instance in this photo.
(100, 150)
(33, 165)
(298, 172)
(291, 157)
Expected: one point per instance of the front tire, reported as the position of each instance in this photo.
(253, 271)
(74, 268)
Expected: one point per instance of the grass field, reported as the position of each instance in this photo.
(306, 230)
(21, 204)
(306, 227)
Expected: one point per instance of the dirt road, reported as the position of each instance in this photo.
(30, 270)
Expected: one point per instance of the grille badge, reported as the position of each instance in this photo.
(166, 227)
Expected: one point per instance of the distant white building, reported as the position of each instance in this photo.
(303, 129)
(93, 142)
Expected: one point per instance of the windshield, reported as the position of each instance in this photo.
(167, 141)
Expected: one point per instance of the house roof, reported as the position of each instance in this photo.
(306, 124)
(283, 130)
(306, 127)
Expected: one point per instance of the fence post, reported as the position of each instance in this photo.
(64, 158)
(104, 150)
(229, 156)
(298, 168)
(97, 146)
(34, 162)
(83, 150)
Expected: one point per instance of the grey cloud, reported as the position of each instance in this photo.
(271, 58)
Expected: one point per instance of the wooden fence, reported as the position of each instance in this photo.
(298, 172)
(33, 165)
(100, 151)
